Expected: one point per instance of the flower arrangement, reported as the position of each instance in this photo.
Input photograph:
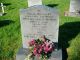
(41, 48)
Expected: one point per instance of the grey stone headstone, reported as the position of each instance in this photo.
(34, 2)
(37, 21)
(74, 7)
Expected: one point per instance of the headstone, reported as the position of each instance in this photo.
(37, 21)
(34, 2)
(74, 7)
(2, 9)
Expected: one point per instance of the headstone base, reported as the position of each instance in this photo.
(21, 55)
(74, 14)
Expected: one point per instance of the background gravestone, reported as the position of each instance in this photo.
(2, 9)
(34, 2)
(74, 7)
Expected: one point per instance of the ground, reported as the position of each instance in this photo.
(10, 33)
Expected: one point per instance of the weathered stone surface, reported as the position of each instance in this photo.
(37, 21)
(74, 8)
(22, 54)
(34, 2)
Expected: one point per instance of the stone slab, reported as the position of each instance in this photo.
(34, 2)
(56, 55)
(37, 21)
(74, 8)
(22, 53)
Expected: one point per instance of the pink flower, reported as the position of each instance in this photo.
(48, 44)
(32, 42)
(40, 50)
(48, 48)
(43, 45)
(35, 51)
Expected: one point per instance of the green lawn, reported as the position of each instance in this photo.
(10, 34)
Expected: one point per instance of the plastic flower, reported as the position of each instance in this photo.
(32, 42)
(41, 47)
(48, 47)
(28, 57)
(35, 51)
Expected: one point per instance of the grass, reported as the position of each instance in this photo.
(10, 34)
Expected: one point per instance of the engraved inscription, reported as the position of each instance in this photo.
(36, 22)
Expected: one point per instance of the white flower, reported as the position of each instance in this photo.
(28, 57)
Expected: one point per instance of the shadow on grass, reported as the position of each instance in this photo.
(5, 22)
(4, 14)
(67, 32)
(52, 5)
(6, 4)
(10, 7)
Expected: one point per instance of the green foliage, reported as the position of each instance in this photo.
(75, 49)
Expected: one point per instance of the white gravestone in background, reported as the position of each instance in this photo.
(2, 9)
(34, 2)
(37, 21)
(74, 6)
